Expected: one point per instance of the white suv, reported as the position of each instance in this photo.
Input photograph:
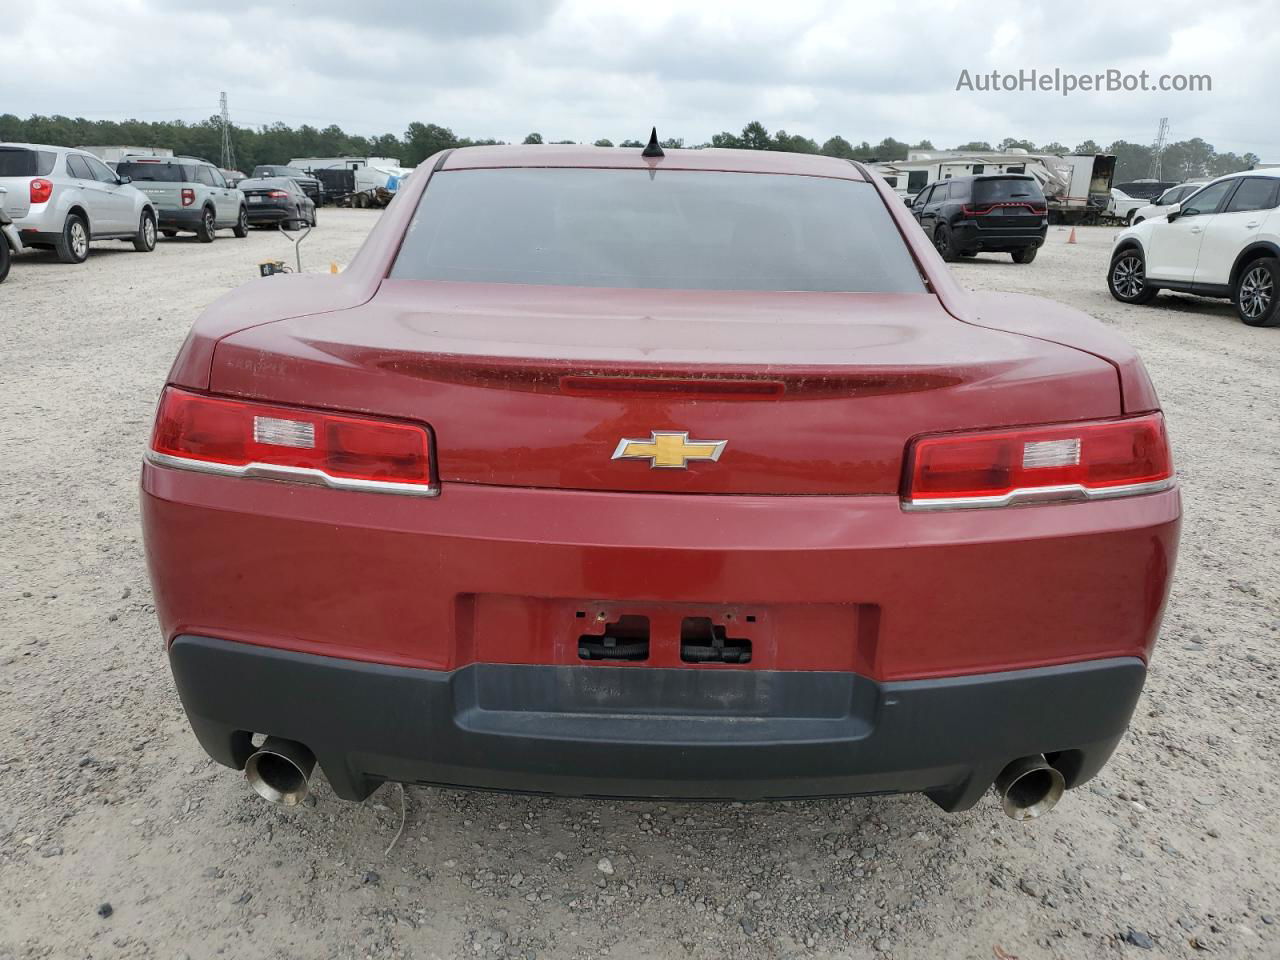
(61, 198)
(1222, 241)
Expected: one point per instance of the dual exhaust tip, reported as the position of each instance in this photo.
(280, 771)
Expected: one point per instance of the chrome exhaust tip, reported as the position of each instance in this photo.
(1029, 788)
(280, 771)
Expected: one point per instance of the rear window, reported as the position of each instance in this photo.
(1001, 190)
(23, 162)
(156, 172)
(669, 230)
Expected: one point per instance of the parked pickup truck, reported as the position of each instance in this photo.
(191, 195)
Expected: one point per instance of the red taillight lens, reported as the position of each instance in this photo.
(220, 435)
(188, 196)
(1073, 461)
(1039, 209)
(41, 190)
(277, 193)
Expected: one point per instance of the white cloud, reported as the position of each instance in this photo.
(579, 69)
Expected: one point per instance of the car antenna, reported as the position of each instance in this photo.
(653, 149)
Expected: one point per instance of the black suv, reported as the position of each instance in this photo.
(312, 187)
(1001, 213)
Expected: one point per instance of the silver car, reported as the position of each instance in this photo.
(61, 198)
(189, 194)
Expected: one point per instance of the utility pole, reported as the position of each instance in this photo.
(228, 148)
(1157, 148)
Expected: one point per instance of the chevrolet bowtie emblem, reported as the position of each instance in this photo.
(667, 448)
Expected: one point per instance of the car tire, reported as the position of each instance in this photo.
(73, 245)
(1025, 255)
(144, 241)
(241, 229)
(1255, 293)
(1128, 219)
(208, 225)
(6, 259)
(1127, 277)
(943, 243)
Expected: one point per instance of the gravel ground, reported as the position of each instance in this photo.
(119, 838)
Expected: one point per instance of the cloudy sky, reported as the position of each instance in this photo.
(577, 69)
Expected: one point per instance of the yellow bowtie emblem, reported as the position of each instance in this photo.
(668, 448)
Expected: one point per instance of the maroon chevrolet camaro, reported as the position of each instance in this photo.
(602, 472)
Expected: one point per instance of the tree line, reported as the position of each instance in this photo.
(278, 143)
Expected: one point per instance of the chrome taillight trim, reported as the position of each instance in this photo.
(308, 475)
(1067, 493)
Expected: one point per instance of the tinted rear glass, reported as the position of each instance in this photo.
(676, 229)
(999, 191)
(21, 162)
(156, 172)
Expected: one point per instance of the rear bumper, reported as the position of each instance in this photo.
(487, 574)
(185, 218)
(968, 235)
(677, 733)
(261, 214)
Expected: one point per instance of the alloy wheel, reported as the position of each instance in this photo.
(1127, 276)
(149, 232)
(1256, 292)
(79, 240)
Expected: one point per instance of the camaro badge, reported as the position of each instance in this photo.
(668, 448)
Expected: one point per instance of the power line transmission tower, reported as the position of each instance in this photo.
(1157, 148)
(228, 148)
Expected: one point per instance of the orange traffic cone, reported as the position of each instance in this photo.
(1072, 238)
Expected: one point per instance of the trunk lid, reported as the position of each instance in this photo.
(809, 393)
(19, 165)
(15, 196)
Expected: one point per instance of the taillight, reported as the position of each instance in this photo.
(1038, 209)
(1078, 461)
(41, 190)
(240, 438)
(188, 196)
(277, 193)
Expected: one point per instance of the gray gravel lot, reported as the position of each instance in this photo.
(118, 838)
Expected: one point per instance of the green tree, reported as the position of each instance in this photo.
(890, 149)
(603, 142)
(792, 144)
(1133, 160)
(838, 146)
(533, 138)
(755, 137)
(1012, 143)
(975, 146)
(422, 140)
(1087, 148)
